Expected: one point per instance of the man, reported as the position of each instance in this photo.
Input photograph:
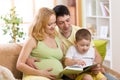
(67, 32)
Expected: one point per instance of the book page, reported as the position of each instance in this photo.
(88, 61)
(75, 67)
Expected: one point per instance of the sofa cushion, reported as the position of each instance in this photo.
(8, 57)
(101, 47)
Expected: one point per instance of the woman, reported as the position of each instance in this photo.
(44, 45)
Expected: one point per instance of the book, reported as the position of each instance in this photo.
(76, 69)
(104, 8)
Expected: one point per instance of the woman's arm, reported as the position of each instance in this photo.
(24, 54)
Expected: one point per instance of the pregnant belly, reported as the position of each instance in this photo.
(50, 63)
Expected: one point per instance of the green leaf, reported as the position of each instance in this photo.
(12, 21)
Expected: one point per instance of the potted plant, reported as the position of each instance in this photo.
(11, 22)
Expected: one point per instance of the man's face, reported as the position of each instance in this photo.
(64, 23)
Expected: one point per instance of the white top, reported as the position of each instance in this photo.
(88, 57)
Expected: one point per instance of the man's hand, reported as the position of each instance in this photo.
(96, 69)
(31, 61)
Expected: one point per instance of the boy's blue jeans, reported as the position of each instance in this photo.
(110, 77)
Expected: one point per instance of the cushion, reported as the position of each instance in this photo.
(101, 47)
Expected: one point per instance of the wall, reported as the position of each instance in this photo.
(61, 2)
(71, 4)
(115, 35)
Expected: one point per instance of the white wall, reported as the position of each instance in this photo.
(115, 34)
(61, 2)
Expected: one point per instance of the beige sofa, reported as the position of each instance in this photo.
(10, 52)
(8, 57)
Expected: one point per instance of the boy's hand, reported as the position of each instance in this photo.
(31, 61)
(80, 62)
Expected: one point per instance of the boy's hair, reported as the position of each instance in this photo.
(82, 34)
(61, 10)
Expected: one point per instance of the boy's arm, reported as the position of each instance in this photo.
(68, 57)
(69, 62)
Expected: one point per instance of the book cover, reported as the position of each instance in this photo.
(75, 69)
(104, 9)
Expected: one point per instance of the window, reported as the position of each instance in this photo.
(25, 9)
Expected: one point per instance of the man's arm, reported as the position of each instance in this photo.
(98, 57)
(30, 61)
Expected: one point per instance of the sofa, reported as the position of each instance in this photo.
(9, 53)
(8, 57)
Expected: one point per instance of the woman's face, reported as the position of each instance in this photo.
(50, 29)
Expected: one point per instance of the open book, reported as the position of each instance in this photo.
(75, 69)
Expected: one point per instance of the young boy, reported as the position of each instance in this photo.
(83, 54)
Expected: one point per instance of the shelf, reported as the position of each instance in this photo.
(98, 37)
(106, 17)
(97, 18)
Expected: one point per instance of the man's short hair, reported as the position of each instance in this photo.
(61, 10)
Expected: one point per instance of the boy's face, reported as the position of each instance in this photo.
(83, 45)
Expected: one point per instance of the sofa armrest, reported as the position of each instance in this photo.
(112, 72)
(8, 57)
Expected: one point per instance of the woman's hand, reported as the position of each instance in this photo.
(46, 73)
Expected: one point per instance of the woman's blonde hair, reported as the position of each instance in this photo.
(41, 20)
